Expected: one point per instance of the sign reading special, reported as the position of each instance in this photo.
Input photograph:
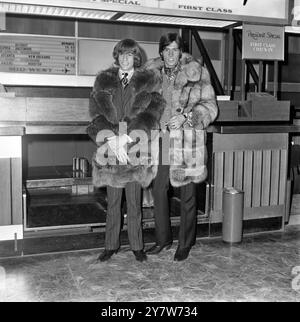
(263, 42)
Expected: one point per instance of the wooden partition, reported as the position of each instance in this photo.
(255, 163)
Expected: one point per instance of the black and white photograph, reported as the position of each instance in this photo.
(149, 155)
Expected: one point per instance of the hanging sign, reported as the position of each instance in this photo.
(263, 42)
(237, 9)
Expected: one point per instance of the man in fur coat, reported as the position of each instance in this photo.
(124, 102)
(191, 107)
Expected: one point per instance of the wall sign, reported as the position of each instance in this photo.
(263, 42)
(276, 9)
(29, 54)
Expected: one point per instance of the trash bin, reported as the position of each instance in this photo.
(233, 211)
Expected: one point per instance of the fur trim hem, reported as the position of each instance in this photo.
(180, 177)
(119, 176)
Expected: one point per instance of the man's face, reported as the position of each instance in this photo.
(171, 55)
(126, 61)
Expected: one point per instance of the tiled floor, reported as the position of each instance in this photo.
(264, 267)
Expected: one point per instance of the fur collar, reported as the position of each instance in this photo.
(190, 70)
(142, 80)
(107, 82)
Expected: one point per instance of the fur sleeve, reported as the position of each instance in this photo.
(101, 97)
(100, 123)
(203, 99)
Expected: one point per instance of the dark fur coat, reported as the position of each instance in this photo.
(144, 107)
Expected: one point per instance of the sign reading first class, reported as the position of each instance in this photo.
(263, 42)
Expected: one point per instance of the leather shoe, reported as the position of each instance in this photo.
(156, 249)
(181, 254)
(106, 254)
(140, 255)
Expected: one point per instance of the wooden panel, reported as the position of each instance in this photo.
(56, 129)
(255, 141)
(275, 171)
(228, 169)
(5, 192)
(266, 178)
(218, 179)
(12, 130)
(16, 175)
(57, 109)
(267, 111)
(238, 169)
(39, 25)
(248, 171)
(12, 109)
(257, 170)
(106, 30)
(283, 176)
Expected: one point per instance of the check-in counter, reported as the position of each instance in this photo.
(251, 156)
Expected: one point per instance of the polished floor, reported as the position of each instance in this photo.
(264, 267)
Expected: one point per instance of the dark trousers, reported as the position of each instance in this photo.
(134, 216)
(188, 218)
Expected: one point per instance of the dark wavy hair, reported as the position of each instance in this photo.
(167, 39)
(128, 46)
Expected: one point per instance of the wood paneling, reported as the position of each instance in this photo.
(16, 179)
(256, 177)
(218, 179)
(260, 172)
(275, 171)
(5, 192)
(266, 178)
(57, 110)
(12, 109)
(247, 141)
(247, 184)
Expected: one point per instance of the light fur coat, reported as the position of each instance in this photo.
(193, 94)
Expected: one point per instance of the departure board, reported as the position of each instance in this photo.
(41, 55)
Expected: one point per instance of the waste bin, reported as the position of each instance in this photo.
(233, 212)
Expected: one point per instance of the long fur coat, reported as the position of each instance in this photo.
(143, 113)
(194, 95)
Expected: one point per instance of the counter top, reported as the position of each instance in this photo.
(264, 128)
(12, 130)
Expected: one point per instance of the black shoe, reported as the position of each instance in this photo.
(156, 249)
(181, 254)
(140, 255)
(106, 254)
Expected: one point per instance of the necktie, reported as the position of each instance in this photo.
(124, 79)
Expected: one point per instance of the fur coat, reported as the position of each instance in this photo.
(193, 94)
(144, 107)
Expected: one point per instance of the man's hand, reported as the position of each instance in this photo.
(176, 121)
(116, 144)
